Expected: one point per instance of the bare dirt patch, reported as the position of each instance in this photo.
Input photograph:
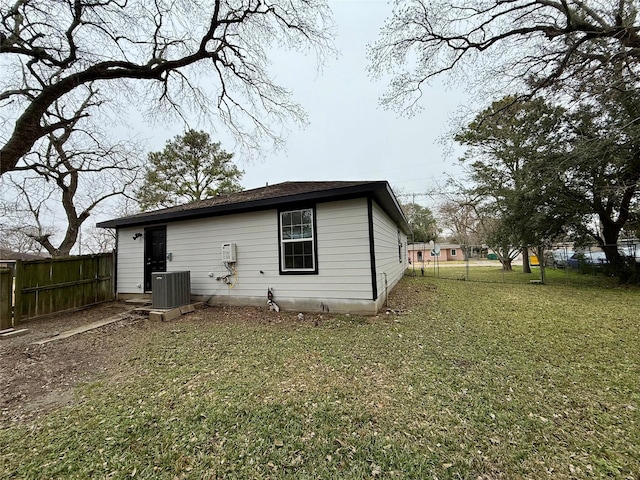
(37, 378)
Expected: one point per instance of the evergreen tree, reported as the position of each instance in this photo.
(190, 168)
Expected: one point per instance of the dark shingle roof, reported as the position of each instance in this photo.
(11, 255)
(271, 196)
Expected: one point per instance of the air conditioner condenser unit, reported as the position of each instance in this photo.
(170, 289)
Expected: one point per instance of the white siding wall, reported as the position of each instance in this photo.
(344, 266)
(195, 245)
(344, 270)
(385, 233)
(130, 267)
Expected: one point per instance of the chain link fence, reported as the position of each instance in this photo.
(562, 264)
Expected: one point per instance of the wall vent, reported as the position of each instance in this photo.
(170, 289)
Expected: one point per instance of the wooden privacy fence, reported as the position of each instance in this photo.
(54, 285)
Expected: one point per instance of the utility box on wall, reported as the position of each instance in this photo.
(229, 252)
(170, 289)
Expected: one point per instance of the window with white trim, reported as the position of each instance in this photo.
(453, 252)
(297, 241)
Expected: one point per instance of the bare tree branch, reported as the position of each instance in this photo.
(61, 46)
(76, 170)
(547, 43)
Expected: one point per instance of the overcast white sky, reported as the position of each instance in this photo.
(350, 137)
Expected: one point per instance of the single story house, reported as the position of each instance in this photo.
(426, 252)
(316, 246)
(8, 258)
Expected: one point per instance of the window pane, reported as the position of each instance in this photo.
(297, 254)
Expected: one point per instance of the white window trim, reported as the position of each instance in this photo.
(312, 239)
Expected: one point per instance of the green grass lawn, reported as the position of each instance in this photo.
(494, 274)
(474, 380)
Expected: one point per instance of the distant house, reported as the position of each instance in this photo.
(8, 258)
(337, 246)
(425, 252)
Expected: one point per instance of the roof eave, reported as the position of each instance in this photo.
(380, 189)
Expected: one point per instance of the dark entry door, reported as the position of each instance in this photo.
(155, 253)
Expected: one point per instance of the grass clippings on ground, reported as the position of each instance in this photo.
(473, 381)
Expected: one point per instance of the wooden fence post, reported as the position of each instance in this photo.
(17, 292)
(6, 290)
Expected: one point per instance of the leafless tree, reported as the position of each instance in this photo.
(98, 240)
(71, 173)
(461, 219)
(13, 237)
(212, 55)
(102, 240)
(475, 222)
(496, 43)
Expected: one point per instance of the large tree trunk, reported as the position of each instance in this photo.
(526, 267)
(611, 227)
(543, 274)
(505, 260)
(609, 244)
(617, 264)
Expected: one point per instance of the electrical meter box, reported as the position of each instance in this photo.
(228, 252)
